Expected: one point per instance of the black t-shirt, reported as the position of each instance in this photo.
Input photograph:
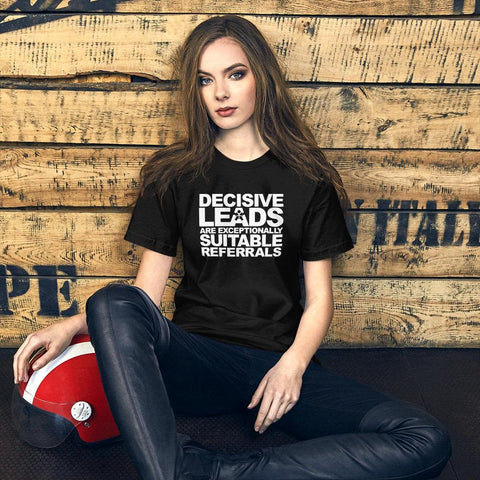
(244, 227)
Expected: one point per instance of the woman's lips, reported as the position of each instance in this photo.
(226, 111)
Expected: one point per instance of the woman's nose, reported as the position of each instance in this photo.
(221, 91)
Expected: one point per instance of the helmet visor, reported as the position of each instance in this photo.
(39, 428)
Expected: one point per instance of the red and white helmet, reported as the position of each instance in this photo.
(63, 396)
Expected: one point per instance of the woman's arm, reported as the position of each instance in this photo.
(152, 277)
(279, 390)
(153, 274)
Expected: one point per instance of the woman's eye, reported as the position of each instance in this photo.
(238, 75)
(202, 81)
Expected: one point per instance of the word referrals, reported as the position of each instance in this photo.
(241, 225)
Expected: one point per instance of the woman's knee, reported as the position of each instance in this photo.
(125, 311)
(106, 300)
(418, 436)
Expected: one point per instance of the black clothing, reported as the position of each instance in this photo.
(244, 227)
(151, 368)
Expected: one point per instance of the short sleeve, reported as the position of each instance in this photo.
(325, 233)
(153, 224)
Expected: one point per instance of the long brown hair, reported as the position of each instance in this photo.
(281, 128)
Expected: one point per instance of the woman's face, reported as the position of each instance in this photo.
(227, 84)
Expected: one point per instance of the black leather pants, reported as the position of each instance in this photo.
(394, 440)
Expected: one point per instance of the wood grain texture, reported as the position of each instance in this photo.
(408, 313)
(284, 7)
(450, 179)
(413, 244)
(341, 117)
(388, 243)
(54, 238)
(81, 177)
(368, 313)
(77, 126)
(109, 176)
(313, 49)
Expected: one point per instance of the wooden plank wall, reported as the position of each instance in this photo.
(390, 87)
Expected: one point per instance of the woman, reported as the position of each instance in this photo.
(249, 194)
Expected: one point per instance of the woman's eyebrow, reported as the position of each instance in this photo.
(226, 70)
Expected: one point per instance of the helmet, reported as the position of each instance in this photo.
(65, 395)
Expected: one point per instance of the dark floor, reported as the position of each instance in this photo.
(445, 382)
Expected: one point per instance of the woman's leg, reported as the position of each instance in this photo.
(367, 436)
(145, 363)
(125, 341)
(350, 432)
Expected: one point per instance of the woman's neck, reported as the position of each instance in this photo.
(241, 146)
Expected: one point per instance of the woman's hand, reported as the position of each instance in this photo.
(54, 338)
(278, 391)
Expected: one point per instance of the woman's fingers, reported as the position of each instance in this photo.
(21, 357)
(284, 408)
(46, 357)
(263, 412)
(257, 396)
(275, 412)
(46, 338)
(273, 408)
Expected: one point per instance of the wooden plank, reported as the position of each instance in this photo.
(451, 179)
(285, 7)
(368, 313)
(109, 177)
(84, 116)
(91, 243)
(85, 177)
(409, 243)
(403, 243)
(313, 49)
(342, 117)
(405, 313)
